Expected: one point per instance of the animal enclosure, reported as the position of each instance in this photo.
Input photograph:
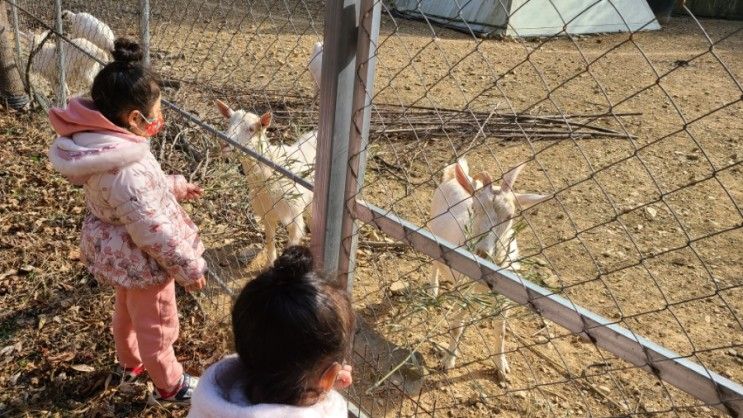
(629, 272)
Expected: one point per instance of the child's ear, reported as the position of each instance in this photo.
(131, 119)
(327, 380)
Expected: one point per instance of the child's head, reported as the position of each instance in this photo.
(127, 92)
(292, 329)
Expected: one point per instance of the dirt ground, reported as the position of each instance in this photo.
(643, 231)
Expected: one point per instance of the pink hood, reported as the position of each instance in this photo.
(80, 115)
(88, 143)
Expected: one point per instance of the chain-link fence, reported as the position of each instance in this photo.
(624, 294)
(628, 137)
(201, 51)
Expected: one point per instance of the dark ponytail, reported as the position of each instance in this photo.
(125, 84)
(290, 324)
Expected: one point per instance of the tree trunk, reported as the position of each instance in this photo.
(11, 86)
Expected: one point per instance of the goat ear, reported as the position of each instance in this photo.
(510, 178)
(484, 179)
(463, 179)
(266, 120)
(527, 200)
(224, 109)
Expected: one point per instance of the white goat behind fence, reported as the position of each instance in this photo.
(80, 68)
(85, 25)
(475, 213)
(274, 198)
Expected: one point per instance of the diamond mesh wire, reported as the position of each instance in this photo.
(635, 136)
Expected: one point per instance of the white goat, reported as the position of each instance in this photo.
(274, 198)
(80, 68)
(315, 64)
(85, 25)
(464, 209)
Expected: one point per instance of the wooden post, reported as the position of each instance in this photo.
(11, 86)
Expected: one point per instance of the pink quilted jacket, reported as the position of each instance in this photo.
(135, 233)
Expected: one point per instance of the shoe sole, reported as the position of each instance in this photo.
(152, 401)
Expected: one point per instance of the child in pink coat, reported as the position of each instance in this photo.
(292, 328)
(135, 235)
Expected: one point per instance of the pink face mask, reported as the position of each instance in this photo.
(153, 126)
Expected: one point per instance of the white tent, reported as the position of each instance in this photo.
(532, 18)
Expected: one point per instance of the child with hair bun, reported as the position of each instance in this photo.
(292, 328)
(135, 235)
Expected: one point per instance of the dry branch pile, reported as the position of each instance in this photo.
(421, 122)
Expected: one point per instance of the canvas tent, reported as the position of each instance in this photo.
(532, 18)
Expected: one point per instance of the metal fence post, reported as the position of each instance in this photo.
(371, 12)
(336, 98)
(11, 86)
(61, 76)
(144, 29)
(16, 31)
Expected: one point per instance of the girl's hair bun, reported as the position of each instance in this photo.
(296, 261)
(126, 50)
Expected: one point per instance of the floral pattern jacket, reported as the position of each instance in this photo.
(135, 233)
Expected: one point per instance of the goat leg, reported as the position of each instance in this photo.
(296, 230)
(269, 224)
(434, 289)
(455, 332)
(501, 363)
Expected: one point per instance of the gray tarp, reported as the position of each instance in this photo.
(531, 18)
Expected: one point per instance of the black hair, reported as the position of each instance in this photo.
(125, 84)
(290, 324)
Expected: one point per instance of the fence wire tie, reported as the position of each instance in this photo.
(530, 299)
(587, 331)
(651, 363)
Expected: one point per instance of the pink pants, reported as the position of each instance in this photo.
(145, 326)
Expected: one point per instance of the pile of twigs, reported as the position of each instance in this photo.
(431, 122)
(420, 122)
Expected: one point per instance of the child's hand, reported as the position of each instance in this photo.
(344, 379)
(193, 192)
(197, 285)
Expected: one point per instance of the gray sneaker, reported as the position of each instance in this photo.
(182, 394)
